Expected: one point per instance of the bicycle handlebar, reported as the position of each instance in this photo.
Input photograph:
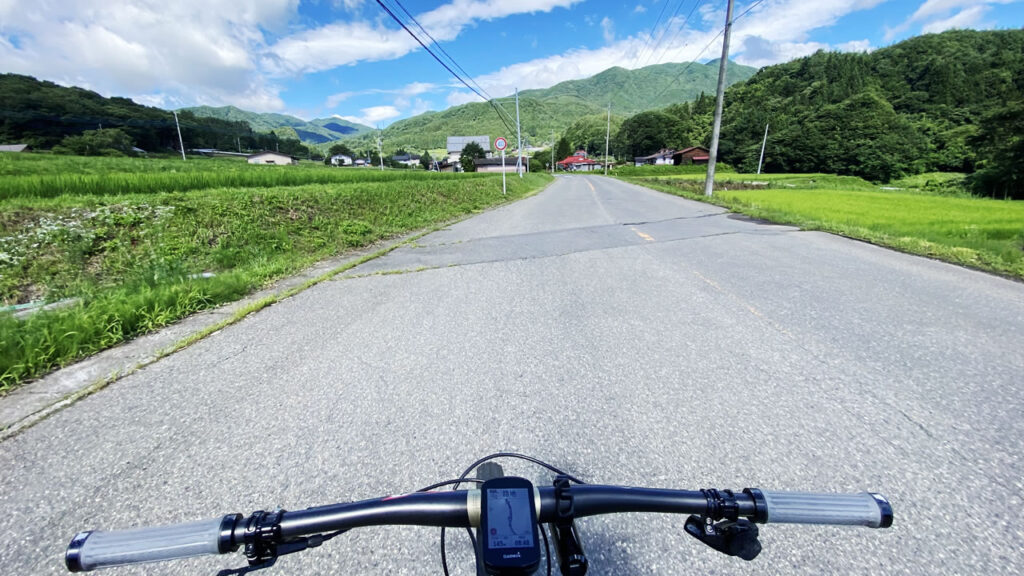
(461, 508)
(91, 550)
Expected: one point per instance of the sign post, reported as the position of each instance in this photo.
(501, 144)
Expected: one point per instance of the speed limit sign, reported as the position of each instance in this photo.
(500, 143)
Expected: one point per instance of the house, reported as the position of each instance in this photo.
(663, 156)
(691, 155)
(14, 147)
(411, 160)
(577, 163)
(272, 158)
(581, 153)
(457, 143)
(341, 160)
(494, 164)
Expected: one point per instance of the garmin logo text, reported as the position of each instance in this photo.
(516, 555)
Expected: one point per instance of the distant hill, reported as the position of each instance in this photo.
(648, 88)
(316, 131)
(558, 107)
(42, 113)
(937, 102)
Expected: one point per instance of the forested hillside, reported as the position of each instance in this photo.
(939, 102)
(559, 107)
(42, 114)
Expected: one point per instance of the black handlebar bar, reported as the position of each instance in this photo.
(461, 508)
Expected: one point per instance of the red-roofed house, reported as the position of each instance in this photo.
(578, 163)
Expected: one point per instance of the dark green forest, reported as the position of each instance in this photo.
(950, 102)
(42, 114)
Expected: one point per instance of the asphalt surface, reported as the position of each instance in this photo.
(628, 336)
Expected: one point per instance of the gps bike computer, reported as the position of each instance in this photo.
(509, 544)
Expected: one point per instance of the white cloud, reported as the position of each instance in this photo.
(639, 9)
(211, 51)
(186, 51)
(608, 30)
(374, 114)
(934, 15)
(966, 18)
(404, 94)
(345, 43)
(855, 46)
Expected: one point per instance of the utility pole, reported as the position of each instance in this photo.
(519, 139)
(607, 137)
(238, 141)
(763, 142)
(380, 151)
(552, 152)
(180, 142)
(709, 182)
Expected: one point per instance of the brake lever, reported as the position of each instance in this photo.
(733, 538)
(281, 549)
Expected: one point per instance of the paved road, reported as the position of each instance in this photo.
(629, 336)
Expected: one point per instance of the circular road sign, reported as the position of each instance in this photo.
(500, 143)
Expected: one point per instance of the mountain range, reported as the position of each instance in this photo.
(541, 111)
(316, 131)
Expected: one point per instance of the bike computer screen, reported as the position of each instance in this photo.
(508, 527)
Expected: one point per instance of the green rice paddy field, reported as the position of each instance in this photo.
(136, 244)
(925, 215)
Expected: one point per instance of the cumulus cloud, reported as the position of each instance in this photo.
(374, 114)
(211, 51)
(344, 43)
(197, 50)
(640, 9)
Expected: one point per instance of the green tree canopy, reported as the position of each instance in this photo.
(470, 152)
(105, 142)
(563, 149)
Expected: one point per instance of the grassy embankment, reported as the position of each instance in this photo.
(928, 215)
(132, 238)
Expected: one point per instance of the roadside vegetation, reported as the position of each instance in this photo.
(928, 215)
(130, 260)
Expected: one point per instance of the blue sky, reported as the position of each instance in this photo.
(319, 58)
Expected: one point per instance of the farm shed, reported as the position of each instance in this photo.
(272, 158)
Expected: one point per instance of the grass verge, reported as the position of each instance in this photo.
(141, 261)
(977, 232)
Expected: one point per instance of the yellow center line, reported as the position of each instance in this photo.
(591, 186)
(647, 237)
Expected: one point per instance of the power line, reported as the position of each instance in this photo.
(678, 30)
(650, 35)
(442, 63)
(668, 25)
(449, 56)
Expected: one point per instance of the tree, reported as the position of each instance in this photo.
(339, 148)
(1001, 142)
(648, 132)
(470, 152)
(563, 149)
(105, 142)
(426, 161)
